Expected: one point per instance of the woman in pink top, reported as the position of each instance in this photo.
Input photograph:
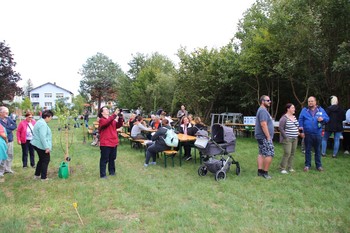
(24, 136)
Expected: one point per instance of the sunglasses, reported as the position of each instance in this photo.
(267, 100)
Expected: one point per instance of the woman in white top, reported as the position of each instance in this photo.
(24, 136)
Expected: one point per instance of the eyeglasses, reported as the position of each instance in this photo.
(267, 100)
(30, 117)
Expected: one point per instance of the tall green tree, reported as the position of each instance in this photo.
(150, 84)
(8, 76)
(100, 76)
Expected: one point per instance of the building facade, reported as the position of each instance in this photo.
(45, 96)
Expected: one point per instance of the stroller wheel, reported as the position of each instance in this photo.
(238, 170)
(220, 175)
(202, 170)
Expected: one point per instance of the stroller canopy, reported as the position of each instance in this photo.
(222, 134)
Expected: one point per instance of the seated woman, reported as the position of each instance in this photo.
(190, 118)
(139, 126)
(186, 128)
(158, 143)
(131, 121)
(156, 123)
(199, 125)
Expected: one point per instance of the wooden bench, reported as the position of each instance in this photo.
(138, 142)
(124, 136)
(169, 153)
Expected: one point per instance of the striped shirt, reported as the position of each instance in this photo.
(292, 128)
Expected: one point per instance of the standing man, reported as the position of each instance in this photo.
(181, 113)
(311, 120)
(346, 135)
(86, 118)
(9, 125)
(264, 131)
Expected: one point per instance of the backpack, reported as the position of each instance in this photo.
(171, 139)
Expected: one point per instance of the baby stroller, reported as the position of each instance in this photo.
(216, 152)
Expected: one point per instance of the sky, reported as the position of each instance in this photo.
(52, 40)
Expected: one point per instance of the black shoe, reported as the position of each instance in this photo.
(260, 173)
(266, 176)
(188, 158)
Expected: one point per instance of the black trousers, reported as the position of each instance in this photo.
(27, 147)
(108, 155)
(43, 163)
(346, 141)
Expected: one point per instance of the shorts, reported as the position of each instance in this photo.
(266, 148)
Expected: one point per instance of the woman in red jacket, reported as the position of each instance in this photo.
(24, 136)
(108, 126)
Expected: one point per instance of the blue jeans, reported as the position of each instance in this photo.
(108, 155)
(336, 142)
(312, 140)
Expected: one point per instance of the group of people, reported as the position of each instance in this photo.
(31, 135)
(186, 126)
(36, 136)
(312, 120)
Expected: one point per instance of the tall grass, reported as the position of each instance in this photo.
(174, 199)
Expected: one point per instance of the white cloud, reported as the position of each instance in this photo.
(51, 40)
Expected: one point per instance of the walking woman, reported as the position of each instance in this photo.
(42, 142)
(289, 129)
(108, 126)
(24, 136)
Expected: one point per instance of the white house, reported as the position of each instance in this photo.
(47, 94)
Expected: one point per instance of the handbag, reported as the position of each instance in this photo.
(201, 142)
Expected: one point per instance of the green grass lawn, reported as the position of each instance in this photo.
(174, 199)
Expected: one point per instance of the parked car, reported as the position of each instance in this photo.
(126, 114)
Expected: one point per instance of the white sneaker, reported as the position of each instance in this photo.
(37, 177)
(346, 152)
(284, 172)
(153, 163)
(291, 170)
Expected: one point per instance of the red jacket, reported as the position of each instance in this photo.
(108, 130)
(22, 131)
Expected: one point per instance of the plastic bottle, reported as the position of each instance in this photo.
(319, 124)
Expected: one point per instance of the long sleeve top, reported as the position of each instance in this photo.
(9, 125)
(308, 120)
(42, 137)
(108, 130)
(22, 130)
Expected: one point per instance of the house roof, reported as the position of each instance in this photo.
(53, 84)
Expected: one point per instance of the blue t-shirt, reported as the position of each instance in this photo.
(263, 115)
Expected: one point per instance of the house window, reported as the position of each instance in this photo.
(48, 95)
(48, 104)
(35, 95)
(59, 95)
